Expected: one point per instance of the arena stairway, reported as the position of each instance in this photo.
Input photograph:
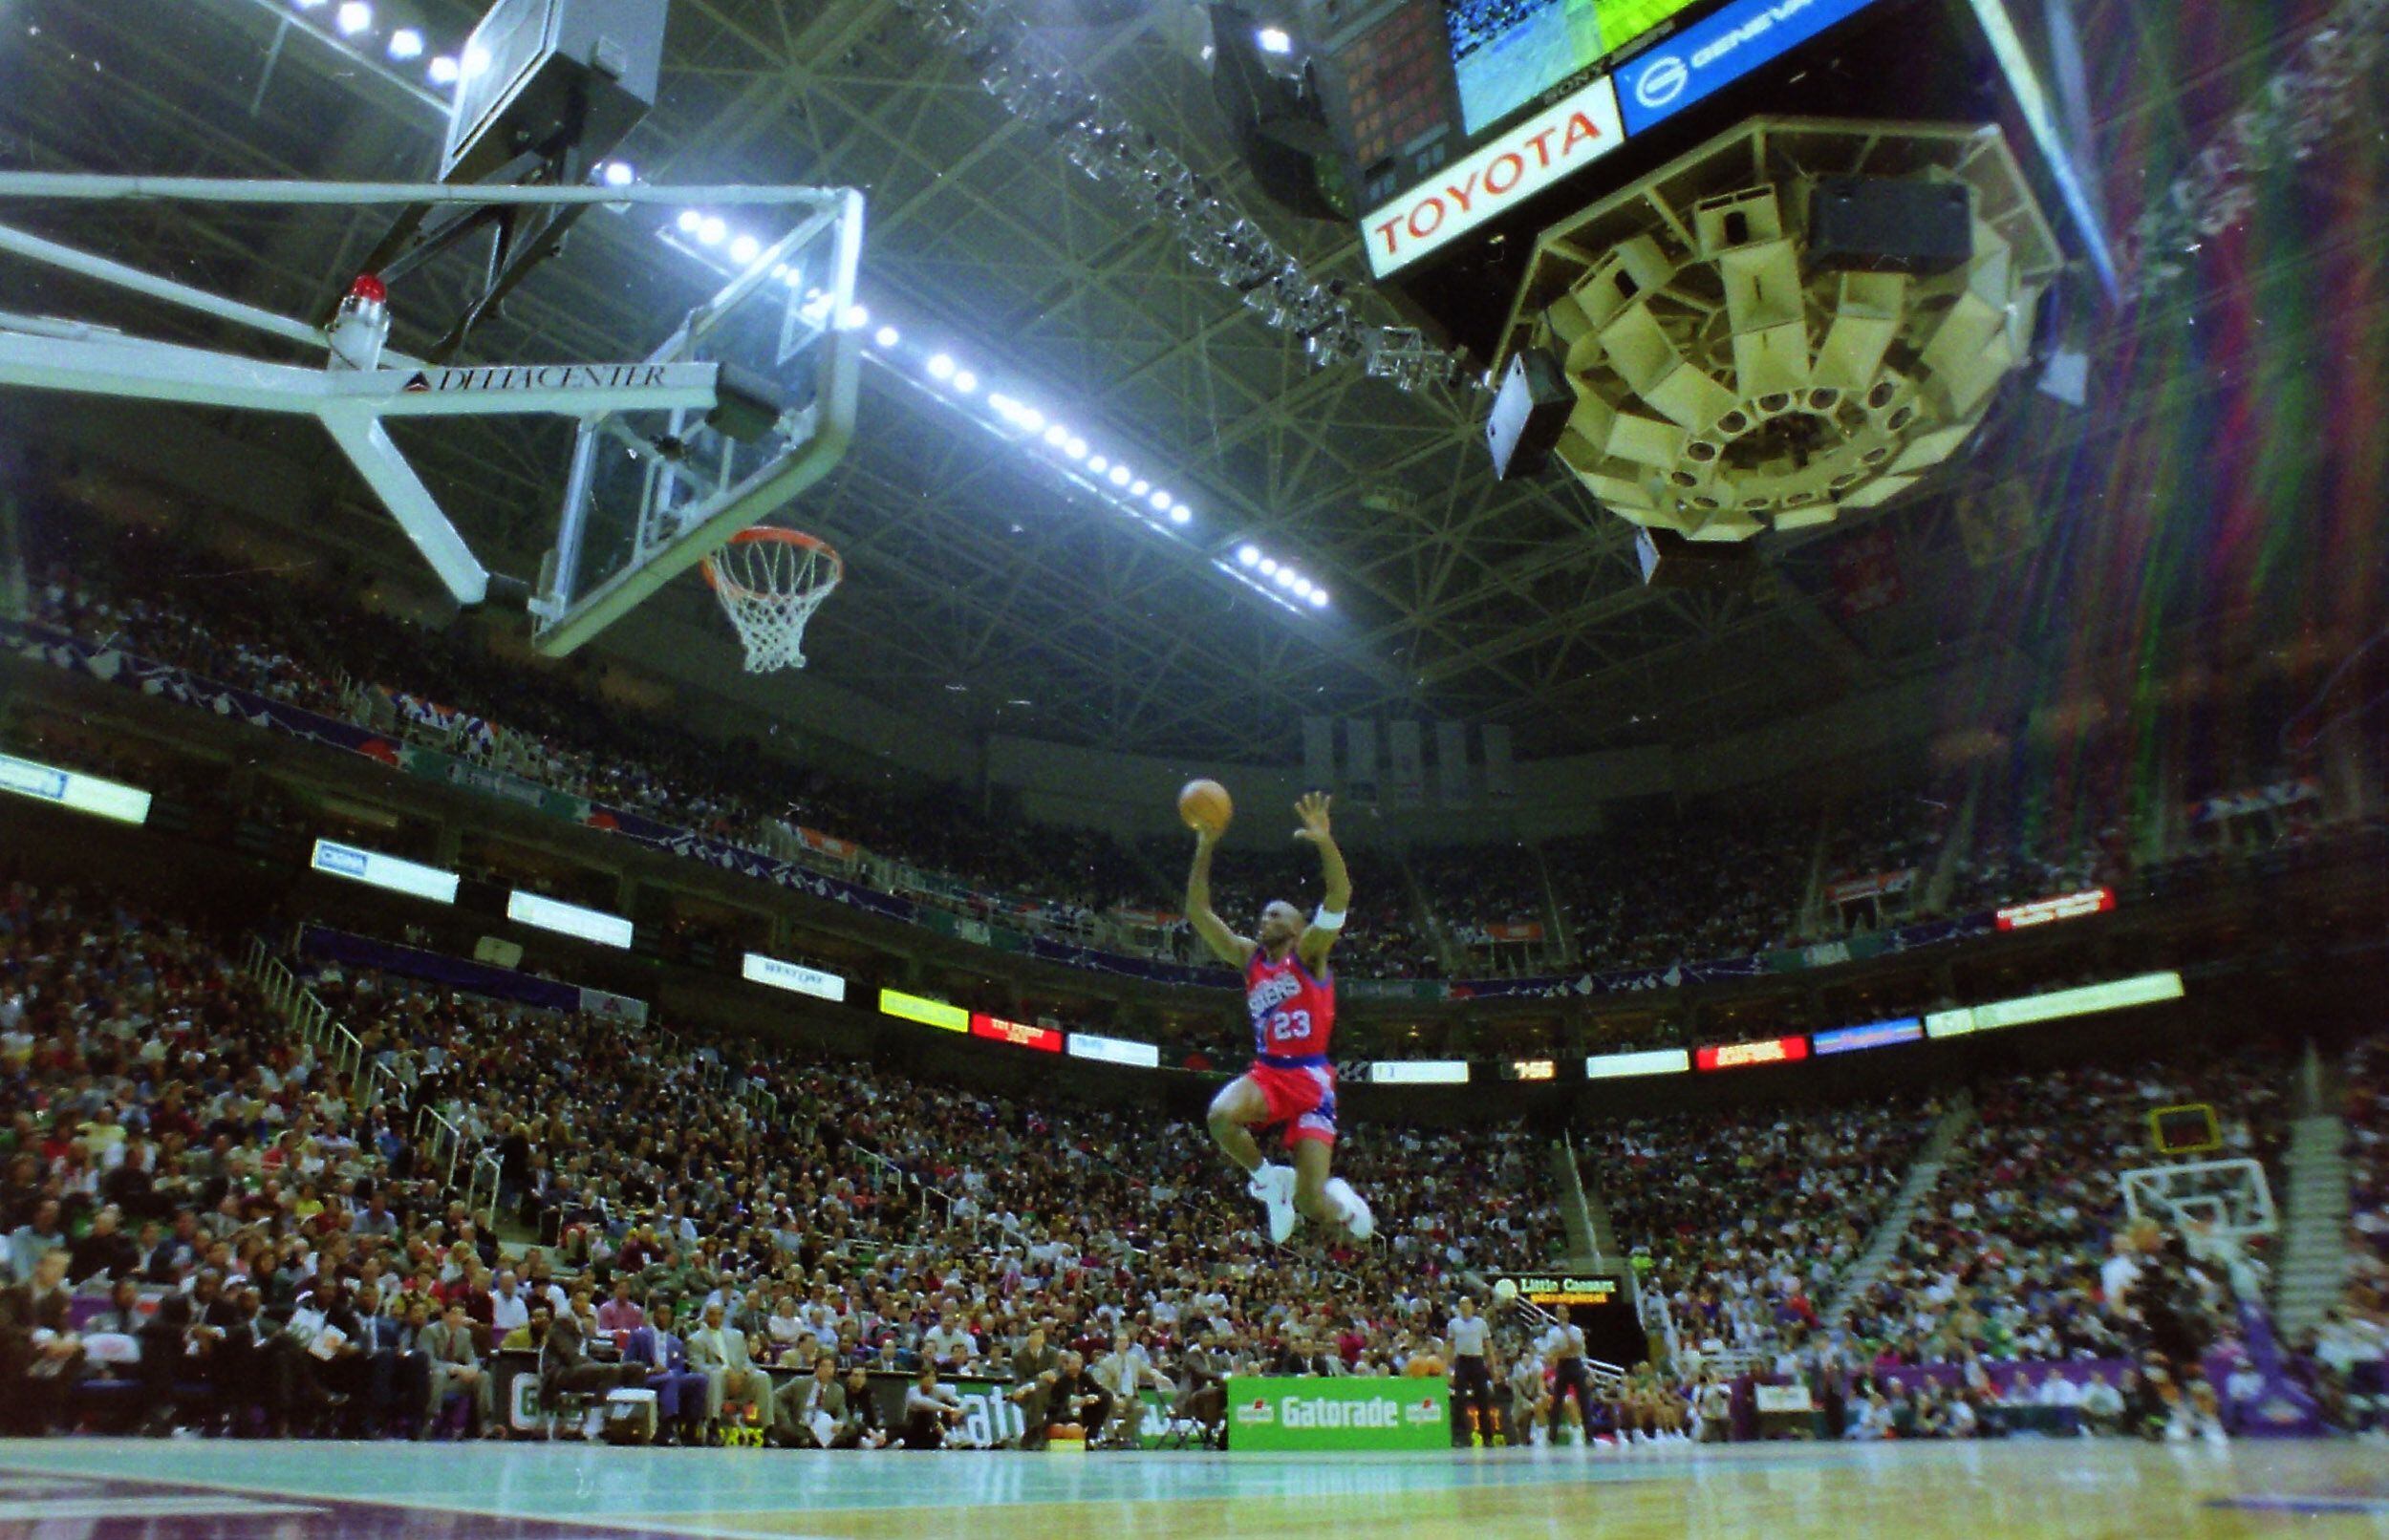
(1884, 1244)
(1592, 1241)
(2312, 1268)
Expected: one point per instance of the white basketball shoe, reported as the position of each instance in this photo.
(1350, 1204)
(1274, 1186)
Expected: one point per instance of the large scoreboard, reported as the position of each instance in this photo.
(1507, 53)
(1468, 126)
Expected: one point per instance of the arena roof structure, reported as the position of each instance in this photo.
(980, 589)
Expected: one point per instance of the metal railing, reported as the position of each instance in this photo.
(342, 1049)
(483, 1177)
(441, 1140)
(886, 1174)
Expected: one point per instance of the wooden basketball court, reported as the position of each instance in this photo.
(296, 1491)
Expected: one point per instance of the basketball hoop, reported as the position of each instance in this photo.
(770, 581)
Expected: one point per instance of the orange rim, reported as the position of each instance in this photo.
(759, 534)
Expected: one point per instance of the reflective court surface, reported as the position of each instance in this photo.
(115, 1490)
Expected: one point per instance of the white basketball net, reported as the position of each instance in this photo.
(769, 588)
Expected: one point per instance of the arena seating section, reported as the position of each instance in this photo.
(1746, 1224)
(834, 1203)
(2004, 1260)
(147, 1074)
(1660, 886)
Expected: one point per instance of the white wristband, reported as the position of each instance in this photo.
(1328, 920)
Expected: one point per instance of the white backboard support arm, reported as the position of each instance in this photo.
(41, 353)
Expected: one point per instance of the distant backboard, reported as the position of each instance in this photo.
(2229, 1201)
(655, 491)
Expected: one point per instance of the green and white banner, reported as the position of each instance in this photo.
(430, 764)
(1331, 1412)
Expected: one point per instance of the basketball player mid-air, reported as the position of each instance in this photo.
(1290, 995)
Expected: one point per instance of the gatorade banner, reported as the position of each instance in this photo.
(1332, 1413)
(430, 764)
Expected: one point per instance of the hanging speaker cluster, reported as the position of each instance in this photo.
(1799, 317)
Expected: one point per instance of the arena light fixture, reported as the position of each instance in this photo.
(1269, 567)
(1319, 598)
(1114, 1050)
(406, 43)
(535, 910)
(475, 64)
(795, 977)
(1649, 1061)
(375, 869)
(744, 249)
(619, 174)
(711, 240)
(1274, 40)
(353, 17)
(1248, 555)
(856, 318)
(74, 789)
(444, 71)
(1814, 389)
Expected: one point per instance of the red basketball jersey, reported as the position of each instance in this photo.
(1293, 1010)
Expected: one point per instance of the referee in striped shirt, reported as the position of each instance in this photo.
(1472, 1376)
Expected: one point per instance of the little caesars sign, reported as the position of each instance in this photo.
(1338, 1414)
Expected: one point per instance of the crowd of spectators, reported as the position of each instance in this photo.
(1745, 1226)
(697, 1211)
(2011, 1257)
(2351, 1345)
(1678, 889)
(263, 1245)
(299, 640)
(1661, 886)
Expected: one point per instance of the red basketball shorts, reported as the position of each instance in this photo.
(1304, 1099)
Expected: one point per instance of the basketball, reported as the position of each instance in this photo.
(1204, 805)
(1505, 1291)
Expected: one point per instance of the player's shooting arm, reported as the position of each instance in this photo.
(1225, 944)
(1317, 938)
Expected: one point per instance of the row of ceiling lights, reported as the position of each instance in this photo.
(710, 237)
(1267, 575)
(1276, 580)
(353, 20)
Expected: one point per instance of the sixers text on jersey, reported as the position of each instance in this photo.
(1293, 1010)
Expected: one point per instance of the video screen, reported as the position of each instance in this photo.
(1506, 52)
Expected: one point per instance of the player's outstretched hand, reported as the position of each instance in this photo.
(1312, 810)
